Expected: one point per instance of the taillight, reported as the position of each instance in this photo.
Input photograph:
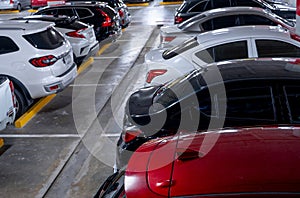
(76, 34)
(167, 39)
(178, 19)
(131, 135)
(154, 73)
(43, 61)
(107, 20)
(12, 89)
(121, 13)
(295, 37)
(11, 1)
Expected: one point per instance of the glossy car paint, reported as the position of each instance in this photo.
(245, 162)
(187, 61)
(174, 34)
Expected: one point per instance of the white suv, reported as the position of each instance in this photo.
(7, 102)
(36, 58)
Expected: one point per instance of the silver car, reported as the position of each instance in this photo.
(221, 18)
(14, 5)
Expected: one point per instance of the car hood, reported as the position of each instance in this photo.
(248, 160)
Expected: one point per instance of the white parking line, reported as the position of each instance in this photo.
(92, 85)
(107, 57)
(110, 135)
(39, 135)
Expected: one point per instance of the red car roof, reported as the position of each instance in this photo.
(253, 160)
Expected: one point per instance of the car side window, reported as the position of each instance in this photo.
(7, 45)
(65, 11)
(248, 3)
(49, 12)
(252, 103)
(273, 48)
(293, 100)
(201, 7)
(84, 13)
(221, 3)
(220, 22)
(255, 20)
(228, 51)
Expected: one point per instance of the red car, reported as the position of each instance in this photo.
(245, 162)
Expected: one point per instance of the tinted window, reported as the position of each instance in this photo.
(7, 45)
(84, 13)
(228, 51)
(293, 98)
(49, 12)
(66, 11)
(250, 103)
(221, 3)
(248, 3)
(256, 20)
(271, 48)
(48, 39)
(202, 6)
(224, 22)
(174, 51)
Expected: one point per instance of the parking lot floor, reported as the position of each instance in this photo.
(68, 148)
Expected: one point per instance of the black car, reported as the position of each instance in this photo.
(103, 17)
(190, 8)
(119, 6)
(225, 94)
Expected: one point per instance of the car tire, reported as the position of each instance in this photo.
(21, 104)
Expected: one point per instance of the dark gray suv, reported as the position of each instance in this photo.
(190, 8)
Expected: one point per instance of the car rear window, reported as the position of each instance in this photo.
(174, 51)
(48, 39)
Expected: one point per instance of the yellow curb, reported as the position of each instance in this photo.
(22, 121)
(136, 4)
(103, 48)
(1, 142)
(84, 65)
(170, 3)
(9, 11)
(31, 10)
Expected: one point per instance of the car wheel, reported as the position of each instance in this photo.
(19, 7)
(20, 103)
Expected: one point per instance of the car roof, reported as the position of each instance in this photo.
(255, 69)
(76, 4)
(243, 32)
(50, 18)
(28, 26)
(242, 159)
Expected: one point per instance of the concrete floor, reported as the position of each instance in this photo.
(68, 148)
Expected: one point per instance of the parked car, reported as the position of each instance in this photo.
(190, 8)
(239, 93)
(14, 4)
(36, 58)
(241, 162)
(120, 7)
(103, 17)
(80, 35)
(220, 18)
(220, 45)
(8, 102)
